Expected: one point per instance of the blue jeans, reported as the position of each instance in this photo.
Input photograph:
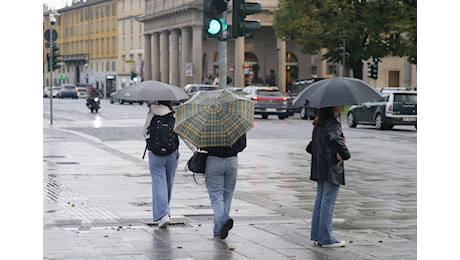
(221, 176)
(162, 170)
(321, 222)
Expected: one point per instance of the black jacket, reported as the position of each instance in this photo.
(325, 144)
(222, 151)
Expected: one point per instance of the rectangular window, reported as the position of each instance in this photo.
(97, 46)
(314, 70)
(131, 26)
(123, 62)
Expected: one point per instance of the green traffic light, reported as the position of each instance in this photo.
(216, 26)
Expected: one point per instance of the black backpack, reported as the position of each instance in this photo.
(161, 138)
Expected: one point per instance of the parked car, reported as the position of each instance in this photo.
(397, 107)
(46, 91)
(82, 92)
(267, 101)
(68, 91)
(305, 111)
(192, 89)
(122, 101)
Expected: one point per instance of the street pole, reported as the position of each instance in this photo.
(51, 65)
(223, 56)
(344, 38)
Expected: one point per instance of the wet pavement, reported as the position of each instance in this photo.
(97, 203)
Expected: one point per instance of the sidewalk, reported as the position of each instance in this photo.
(96, 205)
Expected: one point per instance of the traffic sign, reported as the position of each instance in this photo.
(48, 35)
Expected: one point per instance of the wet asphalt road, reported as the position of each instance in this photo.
(379, 199)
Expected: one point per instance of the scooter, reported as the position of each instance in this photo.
(94, 104)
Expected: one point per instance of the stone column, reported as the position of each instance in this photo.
(197, 57)
(185, 55)
(164, 56)
(174, 63)
(147, 57)
(239, 61)
(281, 70)
(156, 56)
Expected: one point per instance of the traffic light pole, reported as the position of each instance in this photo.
(223, 56)
(51, 66)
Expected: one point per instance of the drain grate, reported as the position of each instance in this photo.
(73, 202)
(172, 224)
(54, 156)
(67, 163)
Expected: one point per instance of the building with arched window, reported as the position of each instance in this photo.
(111, 44)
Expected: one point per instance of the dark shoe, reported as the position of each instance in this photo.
(224, 231)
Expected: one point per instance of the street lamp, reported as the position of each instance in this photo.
(344, 38)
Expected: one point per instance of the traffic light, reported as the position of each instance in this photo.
(56, 57)
(48, 62)
(213, 21)
(372, 70)
(240, 10)
(375, 71)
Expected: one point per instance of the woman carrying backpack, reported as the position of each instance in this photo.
(163, 153)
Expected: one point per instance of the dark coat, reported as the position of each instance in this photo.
(221, 151)
(325, 144)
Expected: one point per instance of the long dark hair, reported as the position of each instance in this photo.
(324, 114)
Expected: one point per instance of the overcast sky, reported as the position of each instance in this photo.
(57, 4)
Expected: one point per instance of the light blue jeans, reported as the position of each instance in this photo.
(162, 170)
(221, 174)
(321, 222)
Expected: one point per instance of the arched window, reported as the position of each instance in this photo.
(251, 70)
(292, 70)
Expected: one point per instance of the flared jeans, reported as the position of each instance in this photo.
(221, 175)
(162, 170)
(321, 222)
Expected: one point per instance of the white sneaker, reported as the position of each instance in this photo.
(164, 221)
(335, 245)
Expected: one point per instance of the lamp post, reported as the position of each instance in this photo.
(344, 41)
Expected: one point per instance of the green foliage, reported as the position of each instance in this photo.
(374, 29)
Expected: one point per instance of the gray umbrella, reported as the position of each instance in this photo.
(335, 92)
(150, 90)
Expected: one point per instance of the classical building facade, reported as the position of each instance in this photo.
(87, 37)
(164, 40)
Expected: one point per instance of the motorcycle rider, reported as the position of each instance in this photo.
(92, 94)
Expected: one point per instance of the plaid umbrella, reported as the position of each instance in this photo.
(214, 118)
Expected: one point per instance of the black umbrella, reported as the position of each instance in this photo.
(151, 90)
(335, 92)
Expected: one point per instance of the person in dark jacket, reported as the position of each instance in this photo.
(221, 173)
(328, 151)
